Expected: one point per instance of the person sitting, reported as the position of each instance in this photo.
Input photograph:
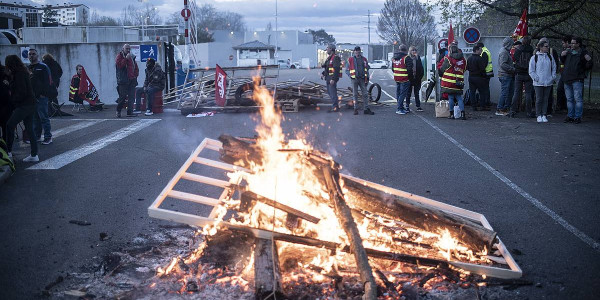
(82, 89)
(154, 82)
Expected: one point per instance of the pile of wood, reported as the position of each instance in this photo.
(311, 93)
(364, 200)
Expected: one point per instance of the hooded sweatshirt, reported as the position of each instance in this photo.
(507, 67)
(543, 72)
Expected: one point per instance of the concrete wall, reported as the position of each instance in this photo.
(97, 59)
(78, 34)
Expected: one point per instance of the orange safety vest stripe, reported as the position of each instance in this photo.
(353, 69)
(399, 69)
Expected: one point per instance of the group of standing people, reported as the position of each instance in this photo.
(523, 70)
(26, 91)
(535, 70)
(127, 73)
(408, 78)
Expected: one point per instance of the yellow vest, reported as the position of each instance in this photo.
(489, 66)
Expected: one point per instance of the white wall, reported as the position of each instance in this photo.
(97, 59)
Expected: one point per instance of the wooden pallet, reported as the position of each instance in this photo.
(289, 105)
(156, 211)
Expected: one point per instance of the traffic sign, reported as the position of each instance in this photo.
(186, 13)
(471, 35)
(442, 41)
(148, 51)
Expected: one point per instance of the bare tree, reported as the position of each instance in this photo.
(96, 19)
(406, 22)
(134, 15)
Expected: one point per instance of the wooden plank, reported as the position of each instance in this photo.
(194, 198)
(177, 176)
(204, 179)
(220, 165)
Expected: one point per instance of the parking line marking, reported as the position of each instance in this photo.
(383, 91)
(70, 156)
(539, 205)
(75, 127)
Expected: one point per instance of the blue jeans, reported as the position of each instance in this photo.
(459, 99)
(150, 91)
(401, 92)
(41, 119)
(25, 114)
(574, 93)
(332, 91)
(507, 89)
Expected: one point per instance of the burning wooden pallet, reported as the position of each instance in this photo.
(356, 200)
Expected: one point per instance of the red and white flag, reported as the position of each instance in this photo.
(220, 86)
(450, 36)
(521, 29)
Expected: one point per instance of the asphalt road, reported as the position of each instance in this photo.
(537, 184)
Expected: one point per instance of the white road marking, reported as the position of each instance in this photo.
(386, 101)
(539, 205)
(70, 156)
(75, 127)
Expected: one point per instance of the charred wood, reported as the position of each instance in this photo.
(267, 276)
(344, 216)
(239, 152)
(419, 215)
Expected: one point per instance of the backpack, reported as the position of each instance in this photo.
(522, 59)
(4, 160)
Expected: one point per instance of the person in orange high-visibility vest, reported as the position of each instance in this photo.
(358, 70)
(332, 71)
(453, 80)
(402, 67)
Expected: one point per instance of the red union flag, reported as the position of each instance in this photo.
(220, 86)
(521, 29)
(450, 36)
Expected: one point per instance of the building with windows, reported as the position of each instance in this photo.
(70, 14)
(30, 15)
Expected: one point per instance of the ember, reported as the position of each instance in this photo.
(305, 229)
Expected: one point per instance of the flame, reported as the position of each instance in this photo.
(286, 176)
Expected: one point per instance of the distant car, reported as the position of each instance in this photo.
(378, 64)
(282, 64)
(295, 65)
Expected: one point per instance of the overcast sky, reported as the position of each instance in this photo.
(346, 20)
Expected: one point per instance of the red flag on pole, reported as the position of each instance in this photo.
(450, 35)
(220, 86)
(521, 29)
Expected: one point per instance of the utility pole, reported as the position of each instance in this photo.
(369, 32)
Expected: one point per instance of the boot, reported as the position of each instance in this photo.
(451, 115)
(462, 115)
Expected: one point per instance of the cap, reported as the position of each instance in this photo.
(357, 48)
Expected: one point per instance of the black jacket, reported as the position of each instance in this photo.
(337, 65)
(523, 52)
(40, 79)
(476, 65)
(575, 66)
(155, 77)
(419, 71)
(55, 71)
(21, 90)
